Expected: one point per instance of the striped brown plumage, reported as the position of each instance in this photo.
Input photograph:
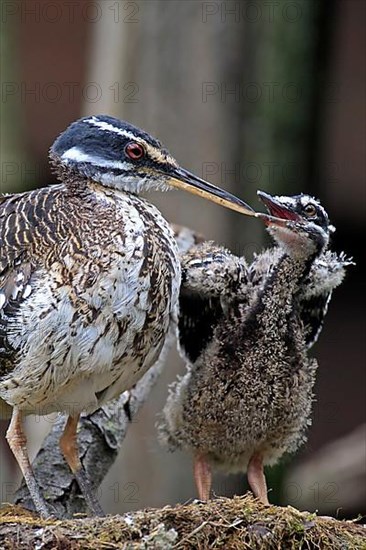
(89, 280)
(63, 253)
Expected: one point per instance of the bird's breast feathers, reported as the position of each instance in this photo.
(102, 315)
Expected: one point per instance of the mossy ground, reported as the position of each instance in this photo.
(229, 524)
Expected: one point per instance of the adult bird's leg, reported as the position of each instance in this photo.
(256, 478)
(202, 476)
(69, 448)
(18, 444)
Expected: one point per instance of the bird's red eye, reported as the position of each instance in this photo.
(135, 150)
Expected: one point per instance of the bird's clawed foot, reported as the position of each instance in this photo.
(18, 444)
(88, 493)
(68, 445)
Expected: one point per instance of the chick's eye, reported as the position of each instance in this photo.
(310, 210)
(135, 151)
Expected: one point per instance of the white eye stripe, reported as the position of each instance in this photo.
(110, 128)
(79, 156)
(75, 154)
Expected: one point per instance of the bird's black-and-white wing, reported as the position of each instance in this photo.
(25, 218)
(312, 312)
(13, 247)
(212, 278)
(15, 269)
(198, 314)
(198, 317)
(327, 273)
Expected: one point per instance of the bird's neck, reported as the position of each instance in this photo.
(276, 300)
(83, 187)
(69, 177)
(286, 277)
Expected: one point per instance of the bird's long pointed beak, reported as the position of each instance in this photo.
(182, 179)
(279, 212)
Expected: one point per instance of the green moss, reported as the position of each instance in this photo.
(230, 524)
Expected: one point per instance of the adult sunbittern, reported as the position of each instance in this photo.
(89, 280)
(246, 329)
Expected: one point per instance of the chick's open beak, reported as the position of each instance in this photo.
(279, 213)
(182, 179)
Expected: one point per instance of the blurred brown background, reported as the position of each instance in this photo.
(250, 95)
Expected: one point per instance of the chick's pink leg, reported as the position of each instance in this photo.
(202, 476)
